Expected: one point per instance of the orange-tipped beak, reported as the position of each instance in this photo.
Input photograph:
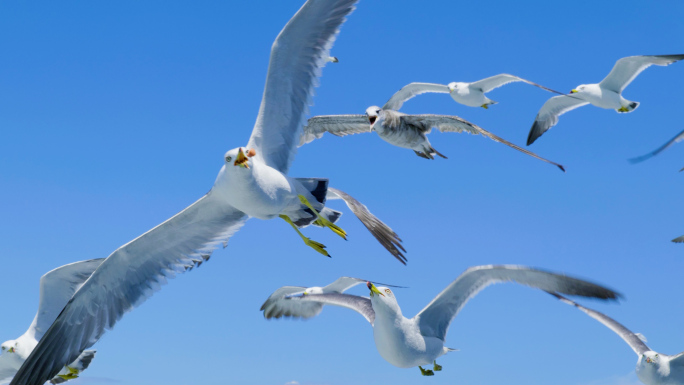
(11, 350)
(241, 159)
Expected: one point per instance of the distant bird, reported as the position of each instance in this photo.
(418, 341)
(678, 138)
(679, 239)
(253, 182)
(399, 129)
(607, 94)
(56, 288)
(470, 94)
(652, 367)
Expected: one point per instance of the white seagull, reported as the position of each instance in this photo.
(251, 183)
(469, 94)
(56, 288)
(401, 130)
(607, 94)
(652, 367)
(418, 341)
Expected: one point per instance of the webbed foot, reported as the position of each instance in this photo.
(436, 368)
(323, 221)
(426, 372)
(311, 243)
(623, 109)
(485, 106)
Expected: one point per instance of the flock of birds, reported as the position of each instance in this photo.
(80, 301)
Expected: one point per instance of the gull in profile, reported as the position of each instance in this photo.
(469, 94)
(409, 342)
(401, 130)
(652, 367)
(251, 183)
(56, 288)
(606, 94)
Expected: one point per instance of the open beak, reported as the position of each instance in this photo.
(10, 350)
(373, 289)
(372, 119)
(241, 160)
(573, 91)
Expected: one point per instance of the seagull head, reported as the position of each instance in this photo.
(239, 157)
(651, 358)
(9, 346)
(383, 300)
(578, 89)
(454, 86)
(373, 112)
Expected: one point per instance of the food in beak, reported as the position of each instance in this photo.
(251, 152)
(241, 160)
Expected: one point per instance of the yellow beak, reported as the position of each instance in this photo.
(241, 160)
(573, 91)
(11, 350)
(374, 290)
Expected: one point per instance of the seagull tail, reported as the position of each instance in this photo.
(629, 108)
(447, 350)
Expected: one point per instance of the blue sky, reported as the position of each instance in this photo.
(115, 116)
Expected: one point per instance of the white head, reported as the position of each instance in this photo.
(313, 290)
(9, 347)
(651, 364)
(383, 300)
(373, 112)
(455, 86)
(239, 158)
(579, 89)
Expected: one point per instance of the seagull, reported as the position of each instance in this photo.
(56, 288)
(607, 94)
(469, 94)
(401, 130)
(652, 368)
(679, 239)
(419, 341)
(251, 183)
(277, 304)
(678, 138)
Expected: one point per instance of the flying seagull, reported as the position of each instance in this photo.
(401, 130)
(56, 288)
(470, 94)
(652, 367)
(607, 94)
(251, 183)
(418, 341)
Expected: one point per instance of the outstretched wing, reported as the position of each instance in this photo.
(628, 68)
(277, 305)
(383, 233)
(298, 54)
(56, 289)
(361, 305)
(127, 278)
(632, 339)
(497, 81)
(678, 138)
(679, 239)
(434, 320)
(409, 91)
(446, 123)
(338, 125)
(547, 116)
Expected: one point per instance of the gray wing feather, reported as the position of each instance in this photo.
(632, 339)
(56, 289)
(338, 125)
(435, 318)
(125, 279)
(497, 81)
(679, 239)
(678, 138)
(411, 90)
(547, 116)
(628, 68)
(361, 305)
(277, 305)
(383, 233)
(342, 284)
(446, 123)
(297, 57)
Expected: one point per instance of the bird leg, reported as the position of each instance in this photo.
(426, 372)
(322, 221)
(73, 373)
(313, 244)
(623, 109)
(423, 155)
(436, 368)
(485, 106)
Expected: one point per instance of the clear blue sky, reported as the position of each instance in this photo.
(116, 115)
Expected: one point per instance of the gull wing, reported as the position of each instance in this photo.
(679, 239)
(343, 284)
(547, 116)
(434, 320)
(632, 339)
(338, 125)
(277, 305)
(383, 233)
(411, 90)
(677, 359)
(678, 138)
(447, 123)
(56, 289)
(497, 81)
(126, 279)
(361, 305)
(298, 54)
(628, 68)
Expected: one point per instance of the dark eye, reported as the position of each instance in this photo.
(228, 158)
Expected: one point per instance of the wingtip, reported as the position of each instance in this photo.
(561, 167)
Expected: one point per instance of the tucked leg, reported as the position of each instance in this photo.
(313, 244)
(322, 221)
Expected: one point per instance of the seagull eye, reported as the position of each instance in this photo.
(388, 291)
(228, 158)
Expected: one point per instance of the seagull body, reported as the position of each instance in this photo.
(652, 368)
(401, 130)
(606, 94)
(408, 342)
(252, 182)
(56, 288)
(469, 94)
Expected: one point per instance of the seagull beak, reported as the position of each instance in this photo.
(10, 350)
(242, 159)
(372, 119)
(573, 91)
(373, 289)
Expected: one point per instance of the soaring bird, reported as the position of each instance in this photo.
(56, 288)
(652, 368)
(607, 94)
(409, 342)
(251, 183)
